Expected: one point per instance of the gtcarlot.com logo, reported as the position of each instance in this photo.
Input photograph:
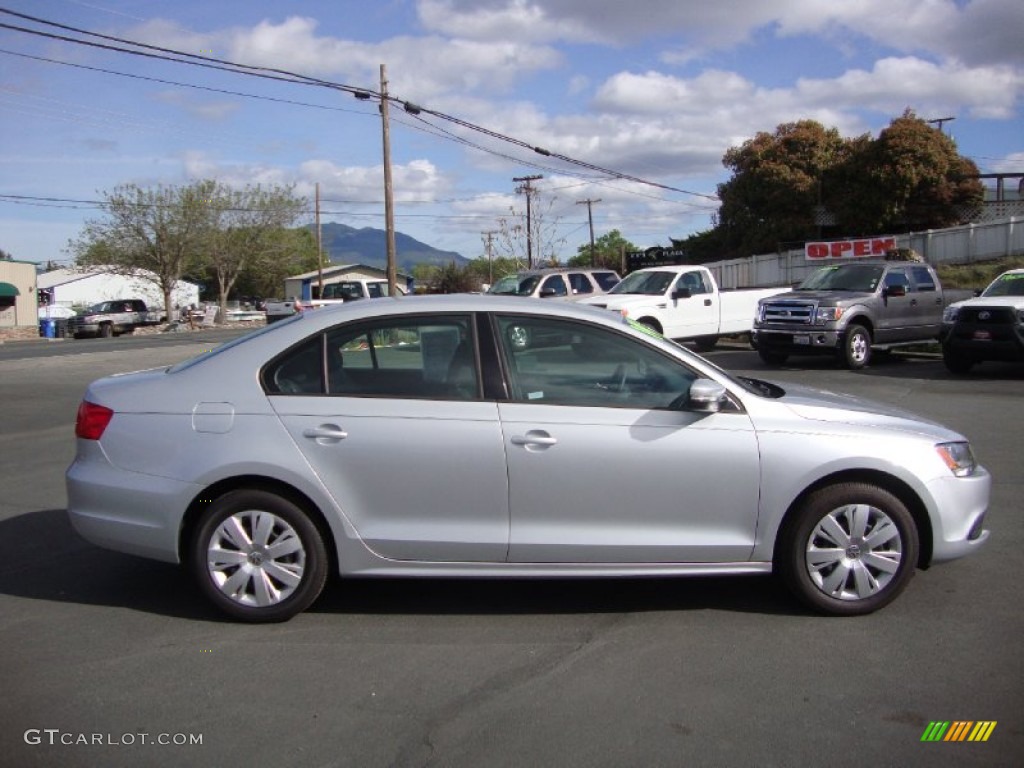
(958, 730)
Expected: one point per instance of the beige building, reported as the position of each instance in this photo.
(18, 301)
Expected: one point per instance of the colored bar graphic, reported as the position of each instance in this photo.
(959, 730)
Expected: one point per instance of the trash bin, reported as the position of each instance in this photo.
(47, 327)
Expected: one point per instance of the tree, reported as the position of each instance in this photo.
(544, 241)
(450, 278)
(155, 234)
(775, 186)
(5, 256)
(915, 180)
(244, 231)
(288, 252)
(607, 253)
(805, 180)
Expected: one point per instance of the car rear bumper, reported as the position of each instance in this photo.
(126, 511)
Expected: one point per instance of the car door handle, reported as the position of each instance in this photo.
(325, 433)
(535, 439)
(707, 302)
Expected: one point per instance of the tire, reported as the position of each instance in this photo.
(230, 559)
(856, 351)
(956, 363)
(705, 343)
(106, 330)
(850, 549)
(772, 357)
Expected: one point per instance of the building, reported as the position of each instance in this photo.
(80, 288)
(17, 293)
(306, 286)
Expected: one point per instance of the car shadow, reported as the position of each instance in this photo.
(45, 559)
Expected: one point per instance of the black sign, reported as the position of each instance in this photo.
(654, 257)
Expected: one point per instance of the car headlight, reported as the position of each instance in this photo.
(949, 314)
(827, 315)
(958, 457)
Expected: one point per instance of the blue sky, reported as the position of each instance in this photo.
(657, 90)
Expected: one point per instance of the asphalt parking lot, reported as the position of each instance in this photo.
(104, 656)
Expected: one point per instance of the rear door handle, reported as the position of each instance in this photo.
(535, 440)
(707, 302)
(325, 434)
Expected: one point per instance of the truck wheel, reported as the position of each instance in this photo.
(106, 330)
(705, 343)
(956, 362)
(856, 350)
(850, 549)
(258, 557)
(772, 357)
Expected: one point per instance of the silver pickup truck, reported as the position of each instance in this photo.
(112, 318)
(850, 308)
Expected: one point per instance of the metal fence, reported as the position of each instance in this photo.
(984, 241)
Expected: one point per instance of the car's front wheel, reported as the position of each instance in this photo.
(258, 556)
(856, 351)
(850, 549)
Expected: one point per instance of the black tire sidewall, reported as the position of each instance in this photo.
(793, 537)
(315, 572)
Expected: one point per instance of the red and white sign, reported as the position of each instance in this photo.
(850, 249)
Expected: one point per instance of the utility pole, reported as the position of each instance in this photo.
(488, 238)
(389, 206)
(590, 217)
(319, 247)
(940, 121)
(525, 181)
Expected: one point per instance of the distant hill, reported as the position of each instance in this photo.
(348, 245)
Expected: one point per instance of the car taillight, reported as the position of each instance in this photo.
(92, 420)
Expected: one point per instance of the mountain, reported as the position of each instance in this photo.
(347, 245)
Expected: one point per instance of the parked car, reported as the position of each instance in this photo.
(269, 461)
(333, 293)
(684, 303)
(849, 309)
(989, 327)
(113, 318)
(571, 284)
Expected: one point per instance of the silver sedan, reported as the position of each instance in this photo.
(469, 436)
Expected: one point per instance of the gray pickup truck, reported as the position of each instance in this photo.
(851, 308)
(112, 318)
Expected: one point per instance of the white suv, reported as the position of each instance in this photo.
(557, 283)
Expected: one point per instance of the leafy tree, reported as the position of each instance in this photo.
(775, 186)
(489, 271)
(5, 256)
(450, 278)
(286, 252)
(608, 250)
(701, 247)
(244, 231)
(160, 230)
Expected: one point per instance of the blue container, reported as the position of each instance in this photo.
(49, 327)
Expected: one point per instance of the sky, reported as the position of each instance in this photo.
(633, 103)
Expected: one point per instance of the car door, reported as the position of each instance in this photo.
(896, 319)
(605, 462)
(696, 315)
(927, 311)
(390, 417)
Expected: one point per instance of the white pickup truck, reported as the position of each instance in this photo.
(684, 303)
(334, 293)
(988, 327)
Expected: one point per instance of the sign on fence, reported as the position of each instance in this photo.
(841, 249)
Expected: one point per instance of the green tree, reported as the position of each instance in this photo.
(154, 233)
(607, 253)
(5, 256)
(450, 278)
(286, 252)
(244, 231)
(775, 186)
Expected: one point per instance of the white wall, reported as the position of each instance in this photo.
(105, 287)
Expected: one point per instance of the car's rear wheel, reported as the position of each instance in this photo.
(106, 330)
(258, 556)
(850, 549)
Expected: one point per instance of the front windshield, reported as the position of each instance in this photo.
(645, 283)
(516, 285)
(1011, 284)
(844, 277)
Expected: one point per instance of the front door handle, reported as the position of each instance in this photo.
(325, 434)
(707, 302)
(535, 440)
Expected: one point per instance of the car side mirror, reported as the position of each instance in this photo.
(681, 293)
(706, 396)
(896, 290)
(547, 293)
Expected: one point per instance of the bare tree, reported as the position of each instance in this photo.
(512, 235)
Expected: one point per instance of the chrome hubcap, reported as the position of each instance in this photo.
(256, 558)
(853, 552)
(859, 347)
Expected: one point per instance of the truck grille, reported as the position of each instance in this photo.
(801, 312)
(988, 316)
